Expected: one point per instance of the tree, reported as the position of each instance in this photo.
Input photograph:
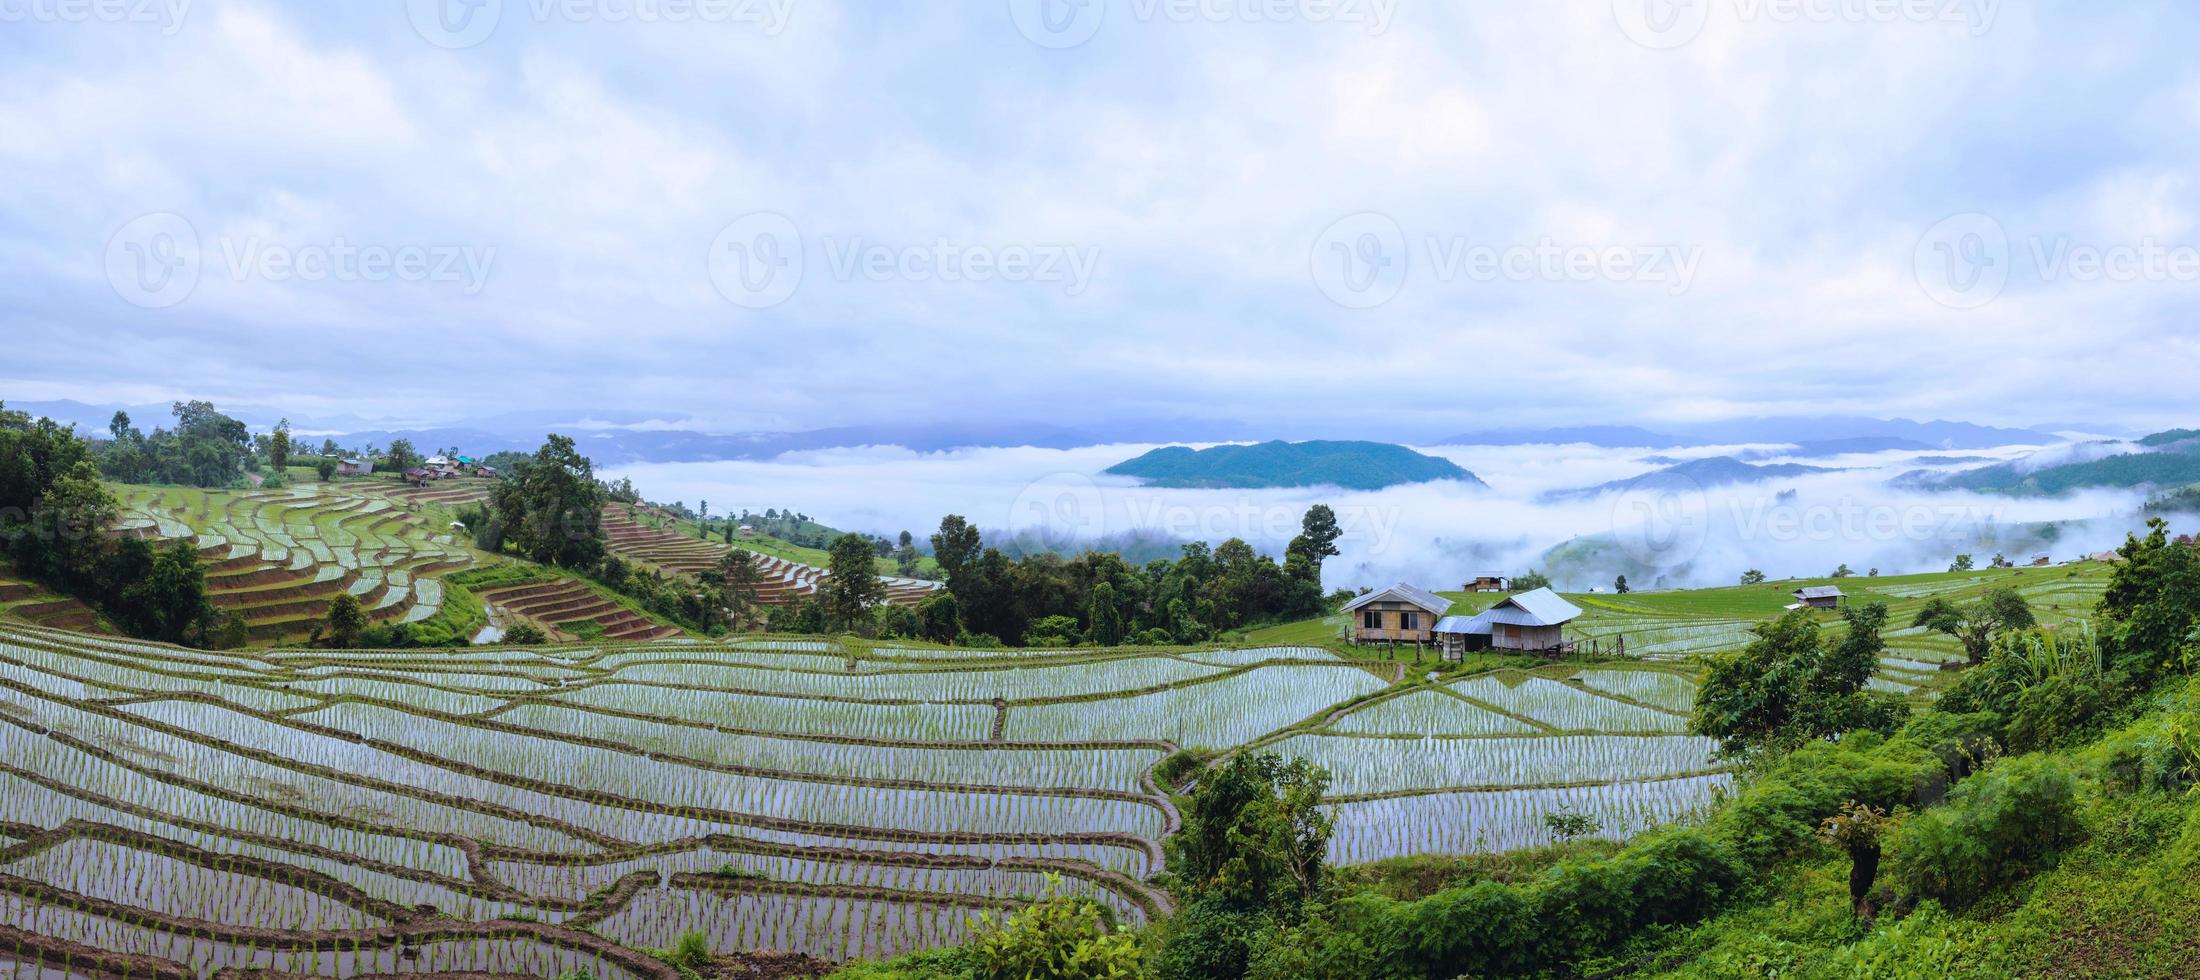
(851, 586)
(1961, 564)
(938, 618)
(526, 635)
(1530, 580)
(345, 620)
(278, 447)
(235, 633)
(1977, 623)
(1052, 631)
(170, 602)
(1790, 686)
(955, 547)
(326, 468)
(738, 582)
(1107, 619)
(1619, 585)
(75, 513)
(551, 507)
(1857, 830)
(1844, 571)
(2152, 604)
(402, 455)
(702, 521)
(1254, 833)
(1753, 577)
(2002, 561)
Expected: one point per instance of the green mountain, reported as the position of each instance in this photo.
(2173, 461)
(1352, 465)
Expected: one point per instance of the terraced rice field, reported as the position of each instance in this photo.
(1477, 764)
(29, 602)
(564, 604)
(634, 533)
(280, 557)
(540, 810)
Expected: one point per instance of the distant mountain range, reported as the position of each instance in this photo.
(1716, 471)
(1826, 431)
(2165, 460)
(1352, 465)
(618, 437)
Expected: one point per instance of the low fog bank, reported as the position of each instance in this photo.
(1437, 534)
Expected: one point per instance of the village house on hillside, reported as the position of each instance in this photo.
(1532, 621)
(1819, 597)
(1486, 582)
(1399, 614)
(355, 467)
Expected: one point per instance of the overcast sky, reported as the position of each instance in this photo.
(1403, 218)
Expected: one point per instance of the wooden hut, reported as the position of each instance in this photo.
(1399, 614)
(1819, 597)
(1531, 621)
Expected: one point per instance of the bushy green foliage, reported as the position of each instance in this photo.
(525, 634)
(1791, 686)
(1254, 834)
(550, 507)
(1065, 937)
(2003, 824)
(1204, 592)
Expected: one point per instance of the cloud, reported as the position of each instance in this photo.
(1198, 161)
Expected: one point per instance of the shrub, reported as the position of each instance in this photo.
(2054, 710)
(1209, 939)
(525, 634)
(1068, 937)
(2000, 826)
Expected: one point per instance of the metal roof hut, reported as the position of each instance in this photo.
(1533, 621)
(1399, 614)
(1819, 597)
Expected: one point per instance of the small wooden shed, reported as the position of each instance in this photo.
(1820, 597)
(1531, 621)
(1399, 614)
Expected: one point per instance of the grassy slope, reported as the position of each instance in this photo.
(2125, 903)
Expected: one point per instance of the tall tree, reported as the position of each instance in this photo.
(956, 546)
(403, 456)
(851, 586)
(1106, 617)
(278, 447)
(170, 602)
(345, 620)
(551, 507)
(1977, 623)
